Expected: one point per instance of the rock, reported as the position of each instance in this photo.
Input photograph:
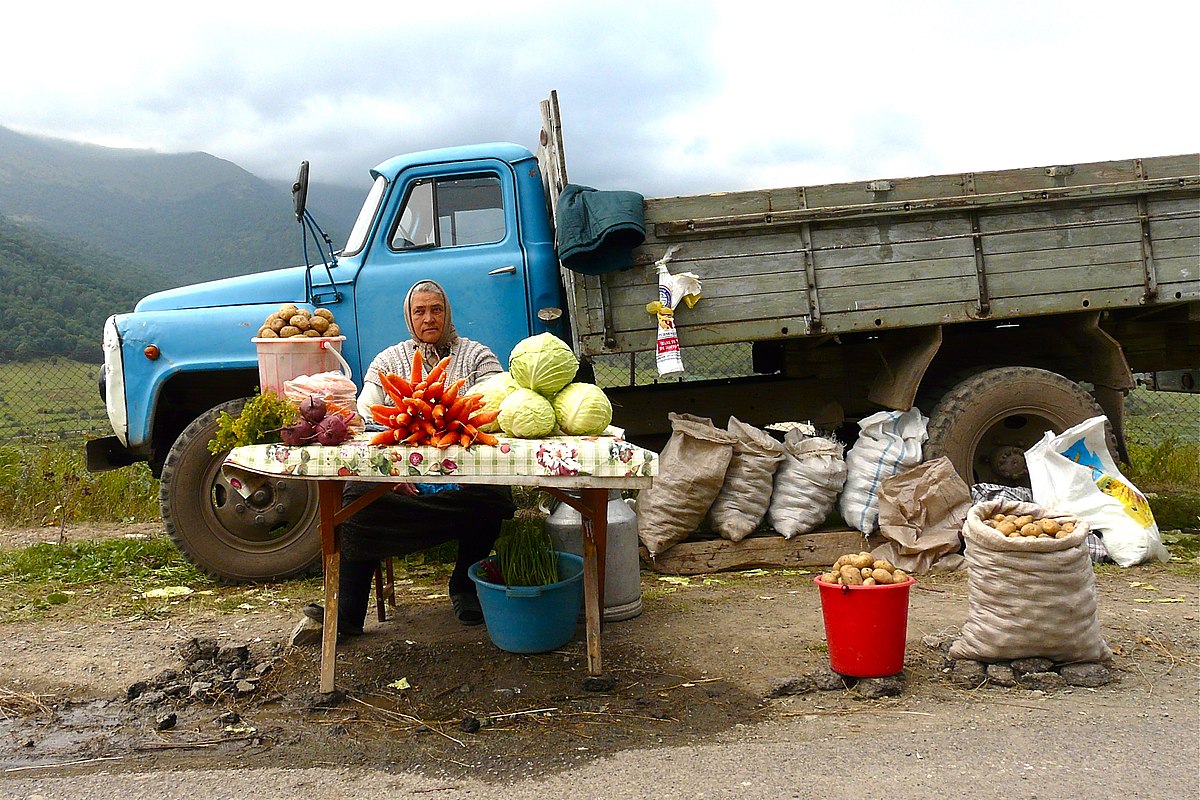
(790, 686)
(233, 654)
(175, 689)
(967, 673)
(599, 683)
(166, 678)
(199, 689)
(1026, 665)
(1001, 675)
(229, 718)
(136, 690)
(261, 669)
(327, 699)
(243, 688)
(469, 724)
(1089, 675)
(937, 641)
(826, 680)
(150, 698)
(164, 722)
(875, 688)
(195, 648)
(306, 632)
(200, 666)
(1041, 681)
(238, 674)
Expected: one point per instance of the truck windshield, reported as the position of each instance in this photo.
(362, 225)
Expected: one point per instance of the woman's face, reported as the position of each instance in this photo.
(427, 315)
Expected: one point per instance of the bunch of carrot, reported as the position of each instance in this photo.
(428, 412)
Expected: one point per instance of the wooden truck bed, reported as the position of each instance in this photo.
(902, 253)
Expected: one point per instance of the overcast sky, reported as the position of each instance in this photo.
(660, 97)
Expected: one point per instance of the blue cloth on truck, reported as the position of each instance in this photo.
(597, 231)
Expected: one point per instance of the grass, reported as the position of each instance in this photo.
(50, 396)
(44, 482)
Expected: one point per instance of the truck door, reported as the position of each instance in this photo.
(461, 231)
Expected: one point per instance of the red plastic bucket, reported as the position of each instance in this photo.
(865, 627)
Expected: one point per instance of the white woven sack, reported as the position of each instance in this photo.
(1028, 597)
(746, 493)
(888, 442)
(807, 483)
(1073, 472)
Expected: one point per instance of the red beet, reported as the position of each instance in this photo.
(298, 433)
(332, 430)
(312, 408)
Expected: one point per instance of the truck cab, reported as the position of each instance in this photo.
(472, 218)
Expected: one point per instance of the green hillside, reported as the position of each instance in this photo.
(189, 217)
(56, 295)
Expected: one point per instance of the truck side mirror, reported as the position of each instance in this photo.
(300, 191)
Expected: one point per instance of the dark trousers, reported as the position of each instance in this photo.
(397, 525)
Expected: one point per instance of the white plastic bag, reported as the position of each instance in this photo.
(1073, 473)
(889, 442)
(806, 484)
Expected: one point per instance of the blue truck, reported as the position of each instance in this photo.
(1002, 303)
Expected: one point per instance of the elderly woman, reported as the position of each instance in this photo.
(406, 520)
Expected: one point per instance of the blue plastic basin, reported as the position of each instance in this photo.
(532, 619)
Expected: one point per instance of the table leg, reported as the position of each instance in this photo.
(595, 551)
(331, 555)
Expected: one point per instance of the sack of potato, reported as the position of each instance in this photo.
(864, 569)
(1030, 587)
(291, 320)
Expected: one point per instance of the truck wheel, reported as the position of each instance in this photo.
(985, 424)
(270, 535)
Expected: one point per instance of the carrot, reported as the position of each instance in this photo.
(421, 407)
(414, 438)
(464, 439)
(483, 417)
(401, 383)
(429, 428)
(385, 437)
(436, 373)
(439, 413)
(433, 392)
(451, 394)
(392, 389)
(445, 440)
(383, 418)
(416, 367)
(457, 409)
(488, 439)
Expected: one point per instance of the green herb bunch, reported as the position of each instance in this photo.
(526, 555)
(259, 423)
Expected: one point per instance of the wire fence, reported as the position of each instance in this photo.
(59, 397)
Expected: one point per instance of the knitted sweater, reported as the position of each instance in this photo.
(468, 359)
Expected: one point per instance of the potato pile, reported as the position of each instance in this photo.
(863, 569)
(1013, 526)
(291, 320)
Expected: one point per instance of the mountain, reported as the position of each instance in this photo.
(57, 294)
(187, 217)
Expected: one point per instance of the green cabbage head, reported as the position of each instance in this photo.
(494, 389)
(525, 414)
(543, 363)
(582, 409)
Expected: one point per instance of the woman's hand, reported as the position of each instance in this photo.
(409, 489)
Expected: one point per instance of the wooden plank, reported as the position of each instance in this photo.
(1067, 281)
(935, 292)
(1042, 263)
(702, 557)
(1062, 237)
(893, 272)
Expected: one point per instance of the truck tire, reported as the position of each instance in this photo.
(985, 424)
(271, 535)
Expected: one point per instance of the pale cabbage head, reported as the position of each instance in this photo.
(582, 409)
(494, 389)
(525, 414)
(543, 363)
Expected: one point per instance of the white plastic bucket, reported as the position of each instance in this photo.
(282, 360)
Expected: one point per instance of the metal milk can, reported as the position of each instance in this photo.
(622, 581)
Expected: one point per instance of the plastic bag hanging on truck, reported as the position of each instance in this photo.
(1074, 473)
(889, 442)
(671, 289)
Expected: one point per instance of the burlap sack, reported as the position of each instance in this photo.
(921, 514)
(807, 483)
(1028, 597)
(691, 470)
(746, 493)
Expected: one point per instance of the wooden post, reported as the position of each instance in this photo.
(330, 499)
(595, 551)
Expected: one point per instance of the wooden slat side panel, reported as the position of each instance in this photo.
(1185, 247)
(1045, 262)
(1082, 280)
(724, 299)
(1171, 166)
(932, 294)
(882, 277)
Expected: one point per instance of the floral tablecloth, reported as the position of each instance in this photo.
(565, 456)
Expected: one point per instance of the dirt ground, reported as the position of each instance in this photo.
(702, 662)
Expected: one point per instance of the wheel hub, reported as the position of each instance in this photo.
(1009, 463)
